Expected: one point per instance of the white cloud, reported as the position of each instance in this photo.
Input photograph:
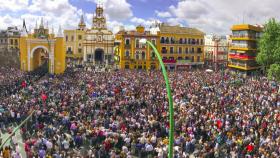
(7, 21)
(117, 9)
(163, 14)
(143, 22)
(217, 16)
(13, 5)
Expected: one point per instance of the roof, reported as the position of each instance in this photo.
(246, 27)
(180, 30)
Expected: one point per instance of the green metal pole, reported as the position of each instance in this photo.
(16, 129)
(170, 100)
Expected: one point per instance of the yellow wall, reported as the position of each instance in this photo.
(176, 47)
(23, 54)
(59, 56)
(59, 53)
(147, 62)
(76, 44)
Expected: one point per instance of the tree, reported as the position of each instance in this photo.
(269, 48)
(274, 72)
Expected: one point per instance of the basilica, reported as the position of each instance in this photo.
(92, 46)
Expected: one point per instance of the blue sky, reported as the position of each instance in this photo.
(210, 16)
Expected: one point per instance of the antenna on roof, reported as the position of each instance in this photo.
(243, 17)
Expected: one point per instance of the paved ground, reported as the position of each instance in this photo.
(19, 139)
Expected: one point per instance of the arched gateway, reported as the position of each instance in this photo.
(41, 47)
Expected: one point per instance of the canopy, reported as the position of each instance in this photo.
(209, 70)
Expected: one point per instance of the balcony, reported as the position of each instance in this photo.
(241, 66)
(169, 61)
(243, 37)
(241, 47)
(126, 58)
(241, 57)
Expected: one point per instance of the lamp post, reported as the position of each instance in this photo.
(170, 100)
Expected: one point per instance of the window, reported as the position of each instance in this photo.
(137, 43)
(99, 38)
(11, 42)
(153, 55)
(167, 40)
(16, 42)
(187, 50)
(193, 41)
(69, 50)
(80, 50)
(143, 56)
(72, 38)
(127, 53)
(181, 41)
(199, 50)
(66, 38)
(192, 58)
(162, 40)
(163, 50)
(127, 41)
(192, 50)
(171, 50)
(189, 42)
(80, 37)
(197, 41)
(180, 50)
(180, 58)
(172, 40)
(201, 41)
(137, 55)
(198, 59)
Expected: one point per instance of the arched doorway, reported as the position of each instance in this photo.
(99, 56)
(40, 58)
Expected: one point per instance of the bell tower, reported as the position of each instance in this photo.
(82, 24)
(99, 20)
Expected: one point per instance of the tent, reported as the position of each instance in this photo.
(209, 70)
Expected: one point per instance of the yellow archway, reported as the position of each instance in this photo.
(39, 55)
(33, 46)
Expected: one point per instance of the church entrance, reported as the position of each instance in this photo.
(98, 56)
(40, 62)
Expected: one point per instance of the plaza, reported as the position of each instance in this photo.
(159, 91)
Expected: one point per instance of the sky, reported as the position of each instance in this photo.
(210, 16)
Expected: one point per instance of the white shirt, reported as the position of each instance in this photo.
(65, 144)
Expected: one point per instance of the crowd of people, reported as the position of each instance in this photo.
(125, 114)
(9, 77)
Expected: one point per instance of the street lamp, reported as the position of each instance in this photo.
(171, 111)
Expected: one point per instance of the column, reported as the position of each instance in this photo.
(85, 55)
(52, 59)
(28, 56)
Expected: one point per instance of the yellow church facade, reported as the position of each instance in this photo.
(42, 47)
(93, 46)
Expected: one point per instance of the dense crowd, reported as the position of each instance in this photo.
(9, 78)
(125, 114)
(9, 74)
